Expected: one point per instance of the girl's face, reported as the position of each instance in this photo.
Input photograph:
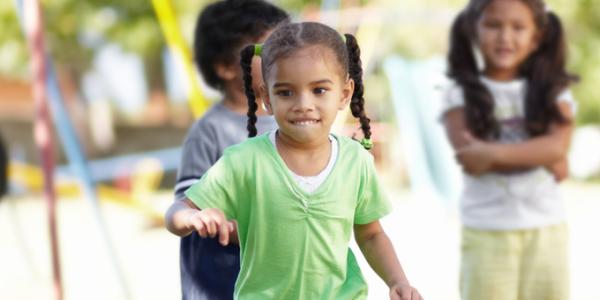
(507, 35)
(304, 93)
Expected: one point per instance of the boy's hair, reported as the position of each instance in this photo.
(544, 70)
(225, 26)
(292, 37)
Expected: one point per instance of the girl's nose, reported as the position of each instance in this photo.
(304, 102)
(505, 34)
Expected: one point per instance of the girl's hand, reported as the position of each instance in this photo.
(210, 222)
(476, 157)
(559, 169)
(403, 291)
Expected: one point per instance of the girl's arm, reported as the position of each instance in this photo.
(379, 252)
(454, 123)
(478, 156)
(183, 217)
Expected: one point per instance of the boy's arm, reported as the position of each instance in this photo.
(379, 253)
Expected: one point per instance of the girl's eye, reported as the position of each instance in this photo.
(319, 91)
(491, 24)
(283, 93)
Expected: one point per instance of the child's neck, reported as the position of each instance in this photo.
(501, 74)
(302, 158)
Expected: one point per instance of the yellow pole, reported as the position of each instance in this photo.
(168, 23)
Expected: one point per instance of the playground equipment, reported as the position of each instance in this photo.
(416, 91)
(142, 183)
(48, 97)
(168, 23)
(33, 28)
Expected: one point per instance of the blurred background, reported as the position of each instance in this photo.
(122, 91)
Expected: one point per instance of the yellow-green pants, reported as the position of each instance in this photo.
(515, 265)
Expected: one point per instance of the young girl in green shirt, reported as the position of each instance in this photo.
(297, 194)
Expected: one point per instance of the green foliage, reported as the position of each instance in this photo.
(297, 5)
(584, 37)
(73, 28)
(132, 24)
(13, 50)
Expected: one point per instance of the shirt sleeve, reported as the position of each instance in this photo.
(567, 97)
(373, 204)
(216, 188)
(452, 97)
(199, 153)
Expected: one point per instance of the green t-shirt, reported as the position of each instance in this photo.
(294, 244)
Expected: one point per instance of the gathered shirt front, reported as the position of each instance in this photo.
(294, 243)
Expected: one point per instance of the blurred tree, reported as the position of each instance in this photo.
(414, 28)
(74, 29)
(584, 42)
(297, 5)
(13, 51)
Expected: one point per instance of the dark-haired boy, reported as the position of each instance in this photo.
(209, 270)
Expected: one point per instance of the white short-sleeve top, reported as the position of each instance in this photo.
(519, 199)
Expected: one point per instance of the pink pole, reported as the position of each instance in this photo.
(42, 129)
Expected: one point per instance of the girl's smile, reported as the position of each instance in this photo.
(305, 122)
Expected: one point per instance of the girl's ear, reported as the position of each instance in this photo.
(263, 95)
(226, 71)
(347, 92)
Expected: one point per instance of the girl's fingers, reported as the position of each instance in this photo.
(224, 233)
(415, 295)
(210, 223)
(202, 229)
(202, 232)
(199, 227)
(214, 227)
(218, 225)
(195, 223)
(406, 295)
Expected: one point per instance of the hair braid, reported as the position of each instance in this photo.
(357, 103)
(246, 62)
